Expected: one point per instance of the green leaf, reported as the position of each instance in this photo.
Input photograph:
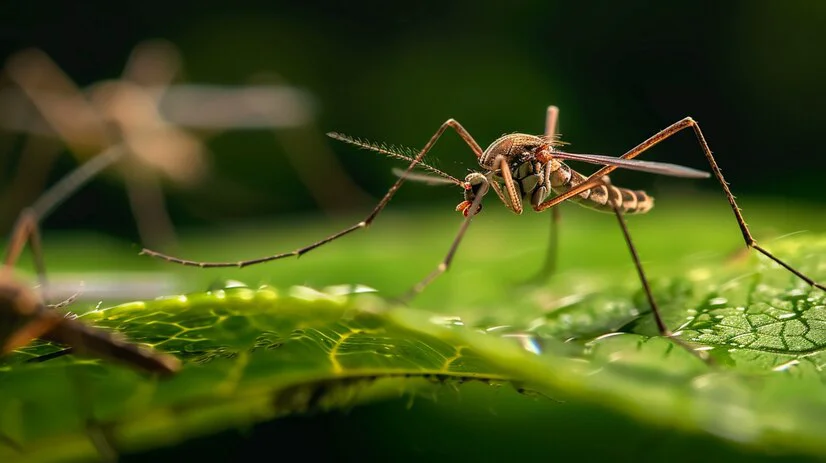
(250, 355)
(253, 355)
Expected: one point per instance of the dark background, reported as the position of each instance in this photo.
(751, 72)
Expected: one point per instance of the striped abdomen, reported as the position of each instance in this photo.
(600, 197)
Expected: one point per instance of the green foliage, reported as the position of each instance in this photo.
(253, 355)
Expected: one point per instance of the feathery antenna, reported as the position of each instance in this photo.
(399, 152)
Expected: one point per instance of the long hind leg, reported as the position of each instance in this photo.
(552, 252)
(751, 243)
(551, 256)
(667, 132)
(661, 326)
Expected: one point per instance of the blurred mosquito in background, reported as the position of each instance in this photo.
(119, 113)
(25, 316)
(527, 168)
(145, 114)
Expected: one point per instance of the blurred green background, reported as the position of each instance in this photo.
(751, 72)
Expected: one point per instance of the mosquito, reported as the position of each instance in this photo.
(523, 168)
(163, 125)
(24, 316)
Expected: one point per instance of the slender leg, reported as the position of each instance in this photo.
(102, 438)
(549, 265)
(663, 329)
(498, 190)
(667, 132)
(146, 199)
(596, 178)
(65, 302)
(11, 443)
(152, 65)
(76, 179)
(26, 230)
(318, 168)
(37, 157)
(445, 264)
(98, 433)
(450, 123)
(551, 123)
(81, 120)
(58, 100)
(512, 200)
(306, 149)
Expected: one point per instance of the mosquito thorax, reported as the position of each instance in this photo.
(515, 148)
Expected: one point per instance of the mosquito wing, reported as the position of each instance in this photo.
(661, 168)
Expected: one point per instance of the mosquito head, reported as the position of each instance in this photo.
(474, 184)
(515, 149)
